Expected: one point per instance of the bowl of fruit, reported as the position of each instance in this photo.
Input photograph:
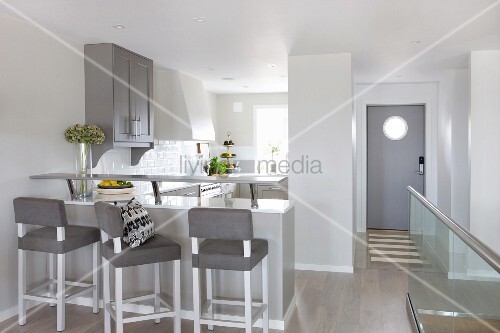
(114, 184)
(115, 187)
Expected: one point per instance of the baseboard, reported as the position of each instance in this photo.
(11, 312)
(144, 309)
(324, 268)
(289, 312)
(185, 314)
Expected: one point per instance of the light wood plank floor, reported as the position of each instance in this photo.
(370, 300)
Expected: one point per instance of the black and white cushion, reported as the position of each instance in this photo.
(137, 225)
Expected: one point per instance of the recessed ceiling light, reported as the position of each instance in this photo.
(228, 78)
(119, 26)
(415, 42)
(245, 86)
(272, 65)
(199, 19)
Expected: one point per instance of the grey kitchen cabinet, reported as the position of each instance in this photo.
(272, 192)
(265, 191)
(118, 95)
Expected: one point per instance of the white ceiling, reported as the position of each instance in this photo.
(240, 38)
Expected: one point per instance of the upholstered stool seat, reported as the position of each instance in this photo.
(56, 238)
(228, 245)
(156, 249)
(45, 239)
(229, 254)
(116, 252)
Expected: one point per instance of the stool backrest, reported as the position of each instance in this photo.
(109, 219)
(220, 223)
(40, 211)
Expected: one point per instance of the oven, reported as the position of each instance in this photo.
(210, 190)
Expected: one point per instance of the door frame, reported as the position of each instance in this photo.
(364, 147)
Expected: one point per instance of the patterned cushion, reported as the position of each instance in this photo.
(137, 225)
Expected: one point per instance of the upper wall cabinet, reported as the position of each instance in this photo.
(118, 95)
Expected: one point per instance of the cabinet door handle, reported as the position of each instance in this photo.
(189, 194)
(275, 188)
(135, 127)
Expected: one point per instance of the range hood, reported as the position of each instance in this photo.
(182, 108)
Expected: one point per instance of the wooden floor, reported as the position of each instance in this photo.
(370, 300)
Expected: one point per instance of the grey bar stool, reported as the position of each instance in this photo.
(228, 245)
(154, 251)
(56, 238)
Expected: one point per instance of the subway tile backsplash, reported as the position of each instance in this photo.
(168, 158)
(162, 160)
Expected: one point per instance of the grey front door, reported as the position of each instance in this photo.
(395, 136)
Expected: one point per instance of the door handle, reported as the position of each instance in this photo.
(421, 165)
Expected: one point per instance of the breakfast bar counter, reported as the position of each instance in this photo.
(274, 221)
(251, 180)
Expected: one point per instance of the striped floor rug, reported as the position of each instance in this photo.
(397, 247)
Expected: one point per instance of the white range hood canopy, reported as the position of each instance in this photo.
(182, 111)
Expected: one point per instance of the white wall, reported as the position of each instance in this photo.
(396, 93)
(459, 150)
(241, 124)
(444, 132)
(318, 85)
(485, 147)
(41, 94)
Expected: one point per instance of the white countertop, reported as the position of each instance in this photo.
(167, 187)
(272, 206)
(233, 178)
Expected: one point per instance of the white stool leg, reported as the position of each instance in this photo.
(52, 292)
(177, 296)
(157, 288)
(265, 295)
(95, 277)
(119, 299)
(61, 291)
(105, 295)
(248, 302)
(210, 296)
(196, 300)
(21, 277)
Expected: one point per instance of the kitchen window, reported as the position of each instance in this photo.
(270, 137)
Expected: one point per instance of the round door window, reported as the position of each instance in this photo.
(395, 128)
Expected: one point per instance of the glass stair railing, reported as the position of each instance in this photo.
(458, 290)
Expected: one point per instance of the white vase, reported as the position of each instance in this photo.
(83, 165)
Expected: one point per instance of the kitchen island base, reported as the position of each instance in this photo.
(172, 221)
